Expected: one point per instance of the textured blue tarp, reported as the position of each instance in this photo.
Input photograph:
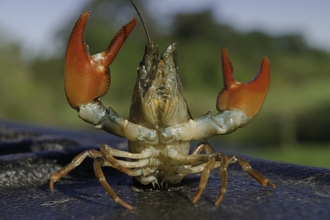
(29, 154)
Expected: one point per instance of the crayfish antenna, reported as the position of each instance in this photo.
(143, 24)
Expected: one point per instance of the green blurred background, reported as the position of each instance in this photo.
(292, 126)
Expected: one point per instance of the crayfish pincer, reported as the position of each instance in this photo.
(159, 128)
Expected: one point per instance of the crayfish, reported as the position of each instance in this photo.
(159, 127)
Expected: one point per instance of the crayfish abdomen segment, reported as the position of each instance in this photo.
(165, 165)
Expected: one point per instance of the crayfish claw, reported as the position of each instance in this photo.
(88, 77)
(245, 97)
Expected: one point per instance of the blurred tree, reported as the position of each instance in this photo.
(23, 97)
(299, 74)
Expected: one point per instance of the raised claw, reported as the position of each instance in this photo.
(245, 97)
(88, 77)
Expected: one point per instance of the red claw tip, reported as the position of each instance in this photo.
(245, 97)
(88, 77)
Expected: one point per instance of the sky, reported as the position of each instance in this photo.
(32, 23)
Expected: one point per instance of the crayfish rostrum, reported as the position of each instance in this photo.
(159, 127)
